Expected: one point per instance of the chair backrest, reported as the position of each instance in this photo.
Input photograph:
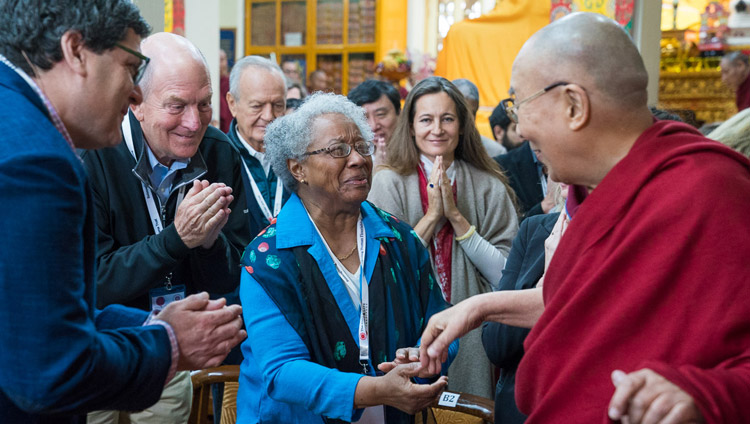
(468, 409)
(229, 403)
(202, 380)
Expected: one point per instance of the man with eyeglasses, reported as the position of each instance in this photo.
(68, 70)
(642, 320)
(170, 204)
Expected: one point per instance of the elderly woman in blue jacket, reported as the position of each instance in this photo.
(335, 291)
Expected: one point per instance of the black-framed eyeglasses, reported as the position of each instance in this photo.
(511, 106)
(342, 150)
(142, 67)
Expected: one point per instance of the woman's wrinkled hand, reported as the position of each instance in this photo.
(397, 390)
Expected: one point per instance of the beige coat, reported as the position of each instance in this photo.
(483, 200)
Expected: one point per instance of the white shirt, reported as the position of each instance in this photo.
(261, 156)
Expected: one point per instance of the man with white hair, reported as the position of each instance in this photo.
(257, 96)
(168, 203)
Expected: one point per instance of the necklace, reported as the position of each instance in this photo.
(343, 258)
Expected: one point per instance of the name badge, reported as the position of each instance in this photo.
(162, 296)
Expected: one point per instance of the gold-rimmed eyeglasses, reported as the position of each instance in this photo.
(342, 150)
(142, 67)
(511, 105)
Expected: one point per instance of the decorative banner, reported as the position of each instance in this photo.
(174, 16)
(168, 15)
(619, 10)
(559, 8)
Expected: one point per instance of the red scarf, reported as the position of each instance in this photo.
(442, 247)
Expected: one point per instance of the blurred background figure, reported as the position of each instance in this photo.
(382, 104)
(292, 70)
(319, 81)
(295, 90)
(471, 95)
(735, 73)
(225, 116)
(503, 129)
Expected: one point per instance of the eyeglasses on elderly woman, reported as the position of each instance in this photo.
(342, 150)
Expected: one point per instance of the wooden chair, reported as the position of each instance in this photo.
(469, 408)
(202, 411)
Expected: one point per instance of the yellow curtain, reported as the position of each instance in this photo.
(483, 49)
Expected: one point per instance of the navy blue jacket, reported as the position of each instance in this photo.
(503, 343)
(523, 177)
(266, 184)
(61, 357)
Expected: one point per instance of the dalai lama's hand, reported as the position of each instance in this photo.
(646, 397)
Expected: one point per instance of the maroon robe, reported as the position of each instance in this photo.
(225, 115)
(653, 271)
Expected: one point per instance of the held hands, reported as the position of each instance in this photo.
(442, 329)
(206, 330)
(396, 389)
(646, 397)
(203, 213)
(406, 355)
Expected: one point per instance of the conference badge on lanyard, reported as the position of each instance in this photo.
(364, 303)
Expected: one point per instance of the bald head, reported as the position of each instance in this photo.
(590, 50)
(170, 54)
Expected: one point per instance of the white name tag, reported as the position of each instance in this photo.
(448, 399)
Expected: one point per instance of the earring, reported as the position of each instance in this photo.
(303, 181)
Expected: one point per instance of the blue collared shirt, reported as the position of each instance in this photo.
(162, 177)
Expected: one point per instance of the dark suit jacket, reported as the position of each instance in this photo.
(126, 234)
(523, 177)
(61, 357)
(503, 343)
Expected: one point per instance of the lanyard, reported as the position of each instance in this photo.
(147, 194)
(259, 197)
(363, 333)
(364, 302)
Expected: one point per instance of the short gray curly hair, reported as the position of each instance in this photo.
(288, 137)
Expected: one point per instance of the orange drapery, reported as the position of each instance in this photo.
(482, 50)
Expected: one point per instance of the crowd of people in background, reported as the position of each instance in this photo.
(585, 264)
